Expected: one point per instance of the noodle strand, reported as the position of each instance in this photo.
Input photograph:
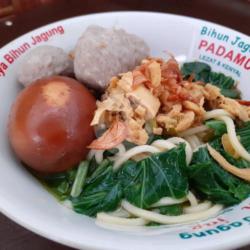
(188, 149)
(192, 199)
(215, 113)
(165, 219)
(198, 208)
(110, 219)
(166, 201)
(132, 152)
(233, 137)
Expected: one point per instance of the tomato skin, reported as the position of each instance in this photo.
(49, 124)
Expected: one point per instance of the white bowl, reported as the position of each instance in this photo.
(26, 202)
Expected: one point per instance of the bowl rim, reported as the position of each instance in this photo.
(5, 206)
(121, 12)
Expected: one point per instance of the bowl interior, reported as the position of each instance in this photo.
(24, 200)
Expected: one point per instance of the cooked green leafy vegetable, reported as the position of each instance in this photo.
(93, 165)
(219, 128)
(104, 164)
(102, 192)
(202, 72)
(142, 183)
(154, 177)
(244, 134)
(153, 224)
(220, 80)
(240, 163)
(213, 182)
(60, 184)
(172, 210)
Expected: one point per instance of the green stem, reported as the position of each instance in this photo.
(102, 165)
(80, 179)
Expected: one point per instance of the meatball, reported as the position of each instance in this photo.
(42, 62)
(102, 53)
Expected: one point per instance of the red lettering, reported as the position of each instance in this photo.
(197, 227)
(222, 220)
(220, 51)
(246, 207)
(217, 221)
(3, 68)
(2, 72)
(247, 64)
(239, 59)
(229, 55)
(9, 58)
(211, 223)
(210, 48)
(203, 43)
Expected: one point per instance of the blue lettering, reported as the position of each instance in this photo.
(236, 224)
(247, 219)
(200, 234)
(246, 48)
(212, 231)
(236, 40)
(185, 235)
(223, 228)
(204, 30)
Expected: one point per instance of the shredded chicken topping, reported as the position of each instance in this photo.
(155, 94)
